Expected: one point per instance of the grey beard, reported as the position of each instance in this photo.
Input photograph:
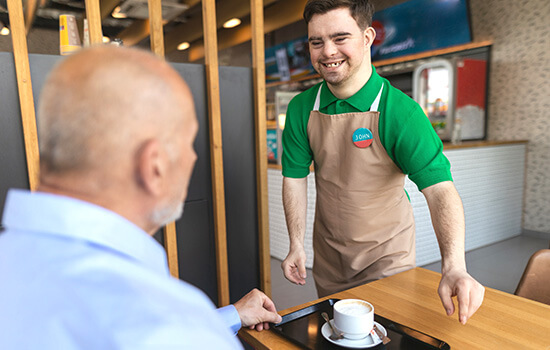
(167, 214)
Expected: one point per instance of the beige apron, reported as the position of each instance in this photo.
(364, 224)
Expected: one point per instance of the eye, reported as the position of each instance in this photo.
(340, 40)
(316, 43)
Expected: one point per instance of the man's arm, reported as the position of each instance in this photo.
(254, 310)
(448, 221)
(295, 206)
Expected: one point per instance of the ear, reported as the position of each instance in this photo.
(152, 167)
(370, 34)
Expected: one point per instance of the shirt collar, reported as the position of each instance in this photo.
(49, 214)
(361, 100)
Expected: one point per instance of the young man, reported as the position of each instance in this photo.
(78, 265)
(364, 136)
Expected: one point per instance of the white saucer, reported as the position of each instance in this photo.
(364, 343)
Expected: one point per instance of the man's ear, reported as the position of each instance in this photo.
(370, 34)
(152, 167)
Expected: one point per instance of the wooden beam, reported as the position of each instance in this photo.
(106, 7)
(94, 21)
(258, 69)
(191, 30)
(280, 14)
(157, 46)
(216, 154)
(171, 246)
(139, 29)
(30, 13)
(24, 85)
(135, 32)
(156, 27)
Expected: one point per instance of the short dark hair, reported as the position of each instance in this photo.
(361, 10)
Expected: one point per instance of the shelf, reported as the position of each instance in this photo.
(432, 53)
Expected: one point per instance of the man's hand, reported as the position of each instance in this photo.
(256, 310)
(469, 293)
(294, 266)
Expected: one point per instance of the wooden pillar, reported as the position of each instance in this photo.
(24, 85)
(258, 68)
(157, 46)
(94, 21)
(216, 154)
(156, 27)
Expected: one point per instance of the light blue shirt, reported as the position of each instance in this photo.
(74, 275)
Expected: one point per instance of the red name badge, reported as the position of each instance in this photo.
(362, 138)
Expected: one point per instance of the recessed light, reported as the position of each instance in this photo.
(117, 14)
(233, 22)
(183, 46)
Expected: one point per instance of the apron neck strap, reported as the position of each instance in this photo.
(373, 107)
(376, 102)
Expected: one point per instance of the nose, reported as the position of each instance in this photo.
(329, 49)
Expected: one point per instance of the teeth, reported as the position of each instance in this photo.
(331, 65)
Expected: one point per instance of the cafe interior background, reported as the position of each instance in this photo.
(517, 110)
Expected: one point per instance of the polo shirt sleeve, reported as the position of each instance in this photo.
(297, 155)
(415, 147)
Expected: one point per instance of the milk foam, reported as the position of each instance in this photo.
(354, 309)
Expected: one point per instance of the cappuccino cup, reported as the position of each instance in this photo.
(354, 318)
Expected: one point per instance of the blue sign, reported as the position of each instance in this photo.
(420, 25)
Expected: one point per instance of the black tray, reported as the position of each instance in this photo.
(303, 327)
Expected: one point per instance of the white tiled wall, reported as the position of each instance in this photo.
(490, 181)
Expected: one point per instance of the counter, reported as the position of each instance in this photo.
(489, 176)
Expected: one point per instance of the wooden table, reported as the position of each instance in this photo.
(504, 321)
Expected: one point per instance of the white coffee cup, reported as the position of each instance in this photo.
(354, 318)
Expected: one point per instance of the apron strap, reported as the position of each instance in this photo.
(373, 107)
(376, 102)
(318, 99)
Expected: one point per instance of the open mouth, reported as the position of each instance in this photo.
(333, 64)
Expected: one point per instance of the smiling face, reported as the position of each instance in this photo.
(340, 51)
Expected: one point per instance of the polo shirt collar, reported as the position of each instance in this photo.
(362, 100)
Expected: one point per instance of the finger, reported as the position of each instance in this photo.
(446, 299)
(463, 298)
(302, 270)
(476, 299)
(268, 304)
(272, 317)
(289, 274)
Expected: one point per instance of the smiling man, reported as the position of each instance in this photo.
(364, 136)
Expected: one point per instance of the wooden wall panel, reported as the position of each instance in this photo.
(24, 85)
(216, 153)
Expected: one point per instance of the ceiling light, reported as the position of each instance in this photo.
(4, 31)
(117, 14)
(233, 22)
(106, 39)
(183, 46)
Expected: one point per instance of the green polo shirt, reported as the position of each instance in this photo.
(405, 131)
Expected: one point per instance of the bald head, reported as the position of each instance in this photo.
(99, 105)
(116, 128)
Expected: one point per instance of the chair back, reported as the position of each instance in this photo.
(535, 282)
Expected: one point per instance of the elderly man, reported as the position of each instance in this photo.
(78, 265)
